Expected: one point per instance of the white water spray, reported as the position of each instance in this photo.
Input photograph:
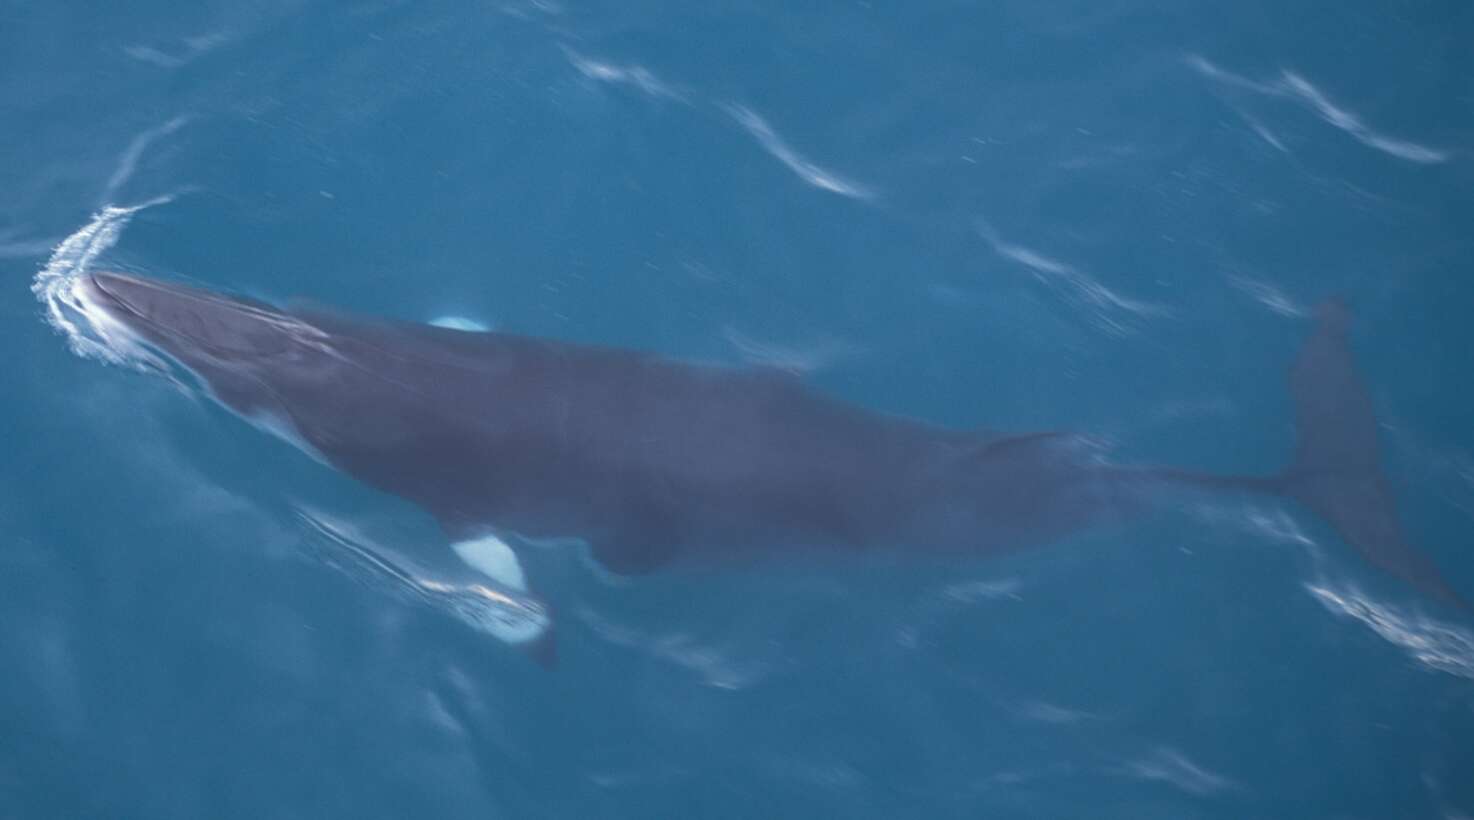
(89, 330)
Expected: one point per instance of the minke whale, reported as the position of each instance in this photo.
(656, 463)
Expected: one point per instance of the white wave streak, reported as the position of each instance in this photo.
(807, 171)
(1263, 131)
(632, 75)
(1351, 124)
(1294, 86)
(1269, 296)
(14, 247)
(715, 668)
(366, 563)
(1203, 66)
(1278, 525)
(128, 162)
(790, 359)
(972, 592)
(505, 613)
(1042, 711)
(1433, 643)
(1076, 284)
(192, 48)
(1171, 766)
(90, 332)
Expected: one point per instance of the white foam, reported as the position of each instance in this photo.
(90, 330)
(1435, 644)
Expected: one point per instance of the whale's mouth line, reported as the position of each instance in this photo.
(102, 280)
(142, 332)
(106, 284)
(118, 302)
(135, 319)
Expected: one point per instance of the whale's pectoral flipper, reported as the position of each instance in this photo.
(1337, 471)
(501, 604)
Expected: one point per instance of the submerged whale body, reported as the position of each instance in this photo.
(656, 463)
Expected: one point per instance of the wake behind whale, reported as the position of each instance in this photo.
(657, 464)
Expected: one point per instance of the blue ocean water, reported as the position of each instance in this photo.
(1113, 217)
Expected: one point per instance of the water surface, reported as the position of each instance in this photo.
(1111, 217)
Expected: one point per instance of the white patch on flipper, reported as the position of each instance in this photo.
(491, 557)
(460, 323)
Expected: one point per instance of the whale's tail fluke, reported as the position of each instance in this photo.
(1337, 469)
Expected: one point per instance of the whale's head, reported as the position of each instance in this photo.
(197, 326)
(251, 356)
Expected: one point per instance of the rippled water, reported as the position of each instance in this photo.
(1107, 217)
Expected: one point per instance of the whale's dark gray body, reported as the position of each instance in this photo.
(655, 462)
